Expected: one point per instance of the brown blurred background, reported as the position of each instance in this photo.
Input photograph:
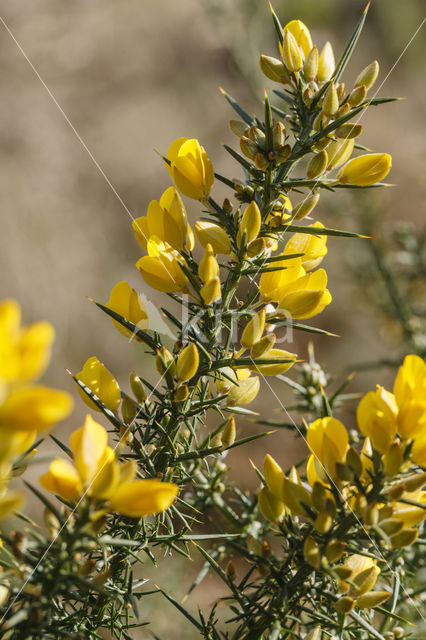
(132, 76)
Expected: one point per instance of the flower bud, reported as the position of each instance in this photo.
(326, 63)
(365, 170)
(256, 247)
(415, 481)
(296, 497)
(323, 522)
(331, 101)
(264, 345)
(128, 410)
(338, 152)
(315, 634)
(342, 111)
(278, 135)
(353, 459)
(311, 552)
(230, 571)
(319, 496)
(181, 393)
(349, 130)
(404, 538)
(343, 472)
(137, 387)
(211, 233)
(254, 329)
(340, 88)
(165, 362)
(344, 604)
(342, 572)
(238, 127)
(357, 96)
(291, 53)
(368, 76)
(372, 515)
(274, 476)
(282, 153)
(317, 165)
(391, 526)
(187, 363)
(274, 69)
(244, 392)
(228, 433)
(393, 459)
(261, 161)
(310, 68)
(372, 599)
(211, 292)
(305, 207)
(335, 550)
(271, 507)
(209, 267)
(250, 224)
(248, 147)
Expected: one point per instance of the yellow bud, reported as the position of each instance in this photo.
(229, 433)
(211, 233)
(254, 329)
(295, 497)
(274, 69)
(187, 363)
(238, 127)
(250, 224)
(323, 522)
(137, 387)
(248, 147)
(311, 552)
(274, 476)
(372, 599)
(342, 572)
(404, 538)
(261, 161)
(331, 100)
(360, 505)
(211, 291)
(282, 153)
(310, 68)
(326, 63)
(340, 88)
(344, 604)
(349, 130)
(335, 550)
(181, 393)
(278, 135)
(338, 152)
(342, 111)
(368, 76)
(275, 369)
(391, 526)
(305, 207)
(209, 267)
(393, 459)
(365, 170)
(366, 579)
(317, 164)
(165, 362)
(271, 507)
(256, 247)
(264, 345)
(357, 96)
(100, 381)
(128, 410)
(291, 53)
(415, 481)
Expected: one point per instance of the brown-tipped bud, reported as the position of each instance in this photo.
(165, 362)
(128, 410)
(317, 165)
(371, 515)
(307, 96)
(311, 552)
(305, 207)
(396, 491)
(274, 69)
(216, 441)
(372, 599)
(230, 571)
(349, 130)
(227, 205)
(256, 247)
(368, 76)
(343, 111)
(261, 161)
(248, 147)
(393, 459)
(342, 572)
(254, 546)
(263, 346)
(181, 393)
(137, 387)
(357, 96)
(415, 481)
(229, 433)
(391, 526)
(238, 127)
(278, 135)
(335, 550)
(344, 604)
(283, 153)
(404, 538)
(331, 100)
(353, 459)
(323, 522)
(257, 136)
(310, 68)
(340, 88)
(319, 496)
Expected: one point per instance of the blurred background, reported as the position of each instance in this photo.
(131, 76)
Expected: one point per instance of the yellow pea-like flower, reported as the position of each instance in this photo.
(187, 363)
(125, 301)
(418, 451)
(376, 416)
(274, 476)
(190, 168)
(271, 507)
(14, 443)
(326, 63)
(211, 292)
(273, 284)
(166, 220)
(363, 573)
(410, 395)
(409, 514)
(328, 440)
(143, 497)
(366, 169)
(211, 233)
(250, 224)
(88, 445)
(10, 502)
(244, 392)
(160, 268)
(307, 296)
(279, 367)
(372, 599)
(35, 408)
(254, 329)
(313, 247)
(62, 478)
(101, 382)
(339, 151)
(301, 34)
(209, 266)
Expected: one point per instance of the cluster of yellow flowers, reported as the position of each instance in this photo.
(398, 438)
(26, 408)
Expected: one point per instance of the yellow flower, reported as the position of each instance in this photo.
(339, 151)
(160, 268)
(307, 296)
(95, 473)
(34, 408)
(166, 220)
(277, 368)
(410, 395)
(271, 507)
(272, 284)
(365, 170)
(243, 392)
(313, 247)
(364, 574)
(291, 53)
(328, 440)
(14, 443)
(376, 416)
(301, 34)
(187, 363)
(254, 329)
(209, 267)
(250, 224)
(326, 63)
(211, 292)
(10, 502)
(274, 476)
(100, 381)
(190, 168)
(409, 514)
(125, 301)
(211, 233)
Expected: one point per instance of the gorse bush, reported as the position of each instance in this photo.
(328, 548)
